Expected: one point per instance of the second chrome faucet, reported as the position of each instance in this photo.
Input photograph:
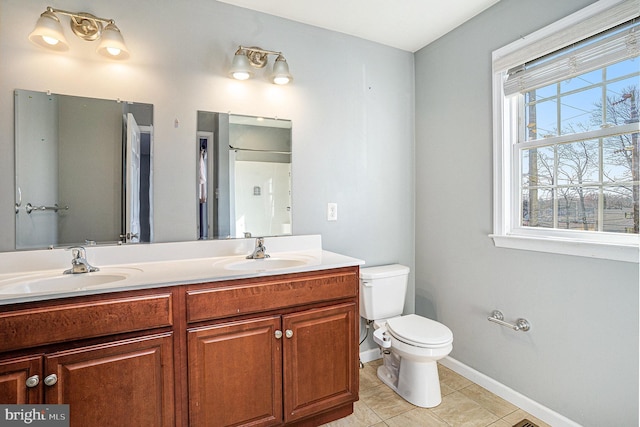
(260, 251)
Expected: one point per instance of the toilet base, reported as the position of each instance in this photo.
(417, 382)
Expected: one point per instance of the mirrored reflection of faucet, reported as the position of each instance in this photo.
(79, 263)
(260, 250)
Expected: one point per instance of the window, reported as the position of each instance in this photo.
(566, 106)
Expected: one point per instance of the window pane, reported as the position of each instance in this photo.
(621, 108)
(579, 110)
(546, 92)
(541, 118)
(578, 162)
(582, 81)
(619, 215)
(617, 159)
(578, 208)
(537, 207)
(537, 166)
(623, 68)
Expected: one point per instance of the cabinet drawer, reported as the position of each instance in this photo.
(270, 294)
(65, 322)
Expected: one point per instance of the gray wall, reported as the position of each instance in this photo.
(581, 356)
(351, 105)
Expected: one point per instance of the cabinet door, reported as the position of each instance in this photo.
(235, 374)
(320, 360)
(21, 381)
(124, 383)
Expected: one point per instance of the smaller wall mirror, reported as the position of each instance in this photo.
(243, 177)
(83, 170)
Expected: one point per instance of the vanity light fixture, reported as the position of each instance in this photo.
(48, 32)
(248, 58)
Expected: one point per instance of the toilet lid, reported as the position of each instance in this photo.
(419, 331)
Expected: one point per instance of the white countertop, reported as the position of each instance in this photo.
(160, 265)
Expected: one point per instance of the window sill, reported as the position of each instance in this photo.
(614, 252)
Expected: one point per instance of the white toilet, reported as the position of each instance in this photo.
(412, 343)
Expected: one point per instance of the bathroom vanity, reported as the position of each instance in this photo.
(261, 348)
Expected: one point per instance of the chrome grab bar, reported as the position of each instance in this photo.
(30, 208)
(521, 324)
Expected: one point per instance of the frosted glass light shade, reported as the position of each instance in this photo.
(112, 44)
(281, 75)
(48, 33)
(240, 67)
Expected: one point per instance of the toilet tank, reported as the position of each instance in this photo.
(382, 291)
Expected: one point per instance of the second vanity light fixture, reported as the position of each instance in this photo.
(248, 58)
(48, 32)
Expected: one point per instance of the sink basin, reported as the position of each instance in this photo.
(58, 282)
(265, 264)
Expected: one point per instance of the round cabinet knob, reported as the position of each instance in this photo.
(51, 379)
(288, 333)
(33, 381)
(278, 334)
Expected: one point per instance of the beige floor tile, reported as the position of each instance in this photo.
(376, 363)
(362, 416)
(517, 416)
(452, 379)
(419, 417)
(458, 410)
(445, 389)
(500, 423)
(463, 404)
(385, 402)
(368, 377)
(488, 400)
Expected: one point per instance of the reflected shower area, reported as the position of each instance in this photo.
(243, 176)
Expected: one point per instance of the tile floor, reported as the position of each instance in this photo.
(464, 403)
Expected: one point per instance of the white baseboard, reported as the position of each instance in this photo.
(523, 402)
(369, 355)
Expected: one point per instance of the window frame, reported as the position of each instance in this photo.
(507, 231)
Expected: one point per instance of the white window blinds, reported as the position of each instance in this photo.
(614, 45)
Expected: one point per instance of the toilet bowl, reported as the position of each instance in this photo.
(414, 344)
(411, 344)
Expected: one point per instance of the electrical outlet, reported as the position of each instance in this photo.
(332, 211)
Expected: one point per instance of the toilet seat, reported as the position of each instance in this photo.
(419, 331)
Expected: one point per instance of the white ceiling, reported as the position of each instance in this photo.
(404, 24)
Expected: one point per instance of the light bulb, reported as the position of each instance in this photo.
(113, 51)
(50, 40)
(281, 80)
(241, 75)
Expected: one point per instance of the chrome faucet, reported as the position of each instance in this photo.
(260, 250)
(79, 263)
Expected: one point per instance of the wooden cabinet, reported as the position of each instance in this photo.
(128, 382)
(264, 351)
(297, 363)
(241, 372)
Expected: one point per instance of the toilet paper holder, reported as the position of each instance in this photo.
(521, 324)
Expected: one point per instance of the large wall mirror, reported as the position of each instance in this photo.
(84, 170)
(243, 178)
